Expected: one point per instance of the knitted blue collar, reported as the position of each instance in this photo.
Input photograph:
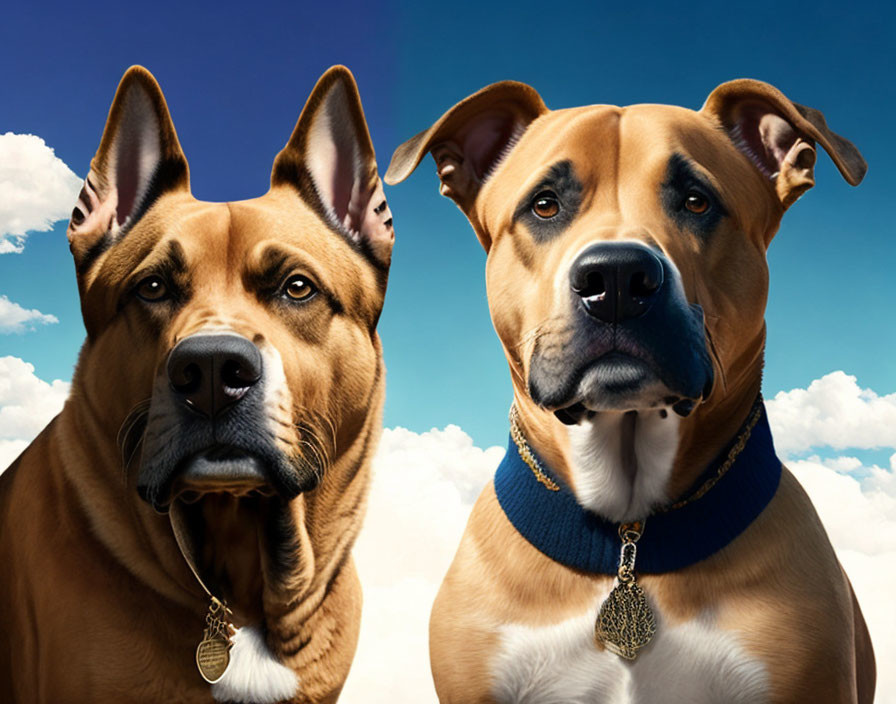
(556, 524)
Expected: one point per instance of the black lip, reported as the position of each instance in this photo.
(223, 466)
(623, 373)
(228, 466)
(619, 373)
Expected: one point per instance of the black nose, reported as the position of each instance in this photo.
(616, 281)
(212, 372)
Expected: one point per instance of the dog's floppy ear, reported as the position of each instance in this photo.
(470, 140)
(779, 136)
(330, 160)
(138, 159)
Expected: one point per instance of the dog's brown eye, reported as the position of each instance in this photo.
(696, 203)
(546, 205)
(152, 289)
(298, 288)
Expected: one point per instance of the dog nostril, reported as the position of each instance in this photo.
(187, 379)
(594, 285)
(236, 376)
(642, 285)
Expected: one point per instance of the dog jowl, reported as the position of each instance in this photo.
(627, 280)
(232, 379)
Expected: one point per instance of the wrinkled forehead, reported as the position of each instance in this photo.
(281, 220)
(615, 145)
(264, 236)
(175, 220)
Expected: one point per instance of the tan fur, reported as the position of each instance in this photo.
(96, 601)
(778, 586)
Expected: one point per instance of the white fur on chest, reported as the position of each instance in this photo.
(254, 676)
(691, 663)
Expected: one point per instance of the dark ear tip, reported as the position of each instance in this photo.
(336, 74)
(137, 81)
(336, 80)
(137, 70)
(139, 75)
(857, 169)
(339, 70)
(138, 92)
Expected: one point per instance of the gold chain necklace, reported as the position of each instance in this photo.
(213, 652)
(625, 622)
(526, 452)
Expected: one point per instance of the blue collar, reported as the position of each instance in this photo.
(556, 524)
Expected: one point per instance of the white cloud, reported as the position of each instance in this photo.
(833, 412)
(27, 404)
(36, 189)
(423, 489)
(14, 318)
(9, 450)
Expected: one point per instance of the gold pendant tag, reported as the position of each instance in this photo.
(625, 623)
(213, 653)
(212, 658)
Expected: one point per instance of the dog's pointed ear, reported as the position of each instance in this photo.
(330, 160)
(470, 140)
(138, 159)
(779, 136)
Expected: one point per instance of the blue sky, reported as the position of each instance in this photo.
(236, 77)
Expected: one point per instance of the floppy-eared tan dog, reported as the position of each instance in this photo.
(181, 531)
(640, 542)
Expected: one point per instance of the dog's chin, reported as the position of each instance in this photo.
(620, 383)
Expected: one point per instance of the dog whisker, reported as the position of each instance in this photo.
(131, 433)
(139, 409)
(309, 437)
(540, 330)
(318, 466)
(313, 446)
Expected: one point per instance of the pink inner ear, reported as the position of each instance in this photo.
(487, 140)
(127, 169)
(764, 136)
(341, 185)
(137, 152)
(335, 160)
(778, 137)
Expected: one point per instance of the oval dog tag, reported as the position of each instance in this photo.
(212, 658)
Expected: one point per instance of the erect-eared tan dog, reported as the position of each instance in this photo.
(640, 541)
(231, 380)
